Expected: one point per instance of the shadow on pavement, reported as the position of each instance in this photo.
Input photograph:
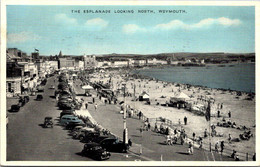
(162, 143)
(53, 97)
(42, 125)
(183, 153)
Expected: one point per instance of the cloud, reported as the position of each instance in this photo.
(64, 19)
(96, 22)
(22, 37)
(205, 23)
(132, 28)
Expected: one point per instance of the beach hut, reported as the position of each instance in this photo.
(180, 97)
(179, 100)
(144, 97)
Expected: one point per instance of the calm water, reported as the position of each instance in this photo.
(239, 77)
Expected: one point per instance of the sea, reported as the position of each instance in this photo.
(239, 77)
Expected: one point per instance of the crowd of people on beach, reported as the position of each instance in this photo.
(180, 135)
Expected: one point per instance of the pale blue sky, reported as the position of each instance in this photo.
(200, 29)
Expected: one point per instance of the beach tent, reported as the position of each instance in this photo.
(180, 97)
(144, 97)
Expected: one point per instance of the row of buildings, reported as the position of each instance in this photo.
(25, 72)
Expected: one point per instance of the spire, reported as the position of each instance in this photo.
(60, 54)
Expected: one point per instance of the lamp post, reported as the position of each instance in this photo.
(125, 132)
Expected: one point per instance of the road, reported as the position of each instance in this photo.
(27, 140)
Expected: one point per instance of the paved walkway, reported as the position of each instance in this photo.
(149, 143)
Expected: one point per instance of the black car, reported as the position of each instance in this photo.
(72, 125)
(15, 108)
(95, 151)
(115, 145)
(39, 97)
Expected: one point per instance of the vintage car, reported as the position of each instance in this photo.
(48, 122)
(52, 87)
(114, 144)
(39, 97)
(15, 108)
(93, 137)
(80, 133)
(67, 112)
(72, 125)
(66, 119)
(95, 151)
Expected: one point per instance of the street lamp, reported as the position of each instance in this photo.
(125, 132)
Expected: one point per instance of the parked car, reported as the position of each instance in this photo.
(52, 87)
(39, 97)
(93, 137)
(72, 125)
(114, 144)
(67, 112)
(70, 118)
(95, 151)
(15, 108)
(80, 133)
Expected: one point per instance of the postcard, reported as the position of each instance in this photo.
(129, 83)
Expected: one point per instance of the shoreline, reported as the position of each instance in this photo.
(141, 76)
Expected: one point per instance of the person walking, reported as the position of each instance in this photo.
(190, 150)
(229, 138)
(222, 147)
(218, 113)
(179, 121)
(193, 136)
(185, 120)
(86, 105)
(201, 142)
(216, 147)
(140, 115)
(130, 142)
(229, 114)
(95, 107)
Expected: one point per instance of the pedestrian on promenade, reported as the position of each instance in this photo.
(140, 115)
(95, 107)
(193, 135)
(218, 113)
(185, 120)
(205, 133)
(155, 128)
(200, 142)
(93, 99)
(130, 142)
(179, 121)
(253, 158)
(222, 146)
(229, 138)
(86, 105)
(141, 130)
(229, 114)
(216, 147)
(149, 126)
(190, 150)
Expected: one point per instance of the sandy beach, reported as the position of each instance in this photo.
(243, 111)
